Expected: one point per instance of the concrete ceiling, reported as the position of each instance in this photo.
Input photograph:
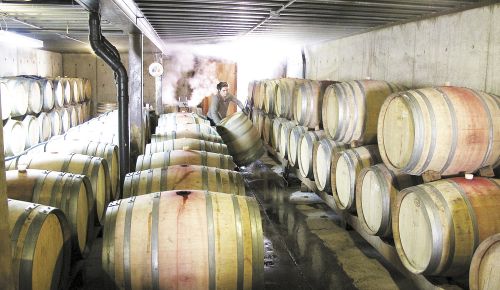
(63, 24)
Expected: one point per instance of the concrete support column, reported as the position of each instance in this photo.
(137, 126)
(6, 281)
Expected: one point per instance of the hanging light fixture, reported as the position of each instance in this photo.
(18, 40)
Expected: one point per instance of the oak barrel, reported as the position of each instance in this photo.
(55, 122)
(351, 109)
(58, 92)
(185, 134)
(72, 193)
(184, 240)
(44, 126)
(41, 246)
(293, 144)
(269, 100)
(346, 166)
(258, 121)
(32, 130)
(5, 100)
(285, 95)
(16, 91)
(178, 157)
(305, 152)
(241, 138)
(199, 128)
(322, 157)
(267, 129)
(450, 217)
(47, 94)
(443, 129)
(376, 191)
(286, 128)
(276, 132)
(186, 143)
(485, 265)
(308, 101)
(180, 118)
(14, 137)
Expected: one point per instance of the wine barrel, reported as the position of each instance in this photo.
(285, 95)
(485, 265)
(32, 130)
(47, 88)
(76, 86)
(87, 89)
(35, 95)
(450, 217)
(185, 134)
(106, 151)
(79, 114)
(44, 126)
(65, 119)
(350, 109)
(183, 143)
(86, 111)
(55, 121)
(444, 129)
(184, 240)
(308, 101)
(73, 116)
(95, 168)
(199, 128)
(59, 92)
(251, 85)
(241, 138)
(67, 91)
(5, 101)
(376, 191)
(40, 239)
(285, 130)
(183, 177)
(179, 157)
(258, 94)
(15, 90)
(293, 144)
(14, 137)
(322, 157)
(267, 128)
(103, 108)
(95, 136)
(258, 121)
(306, 146)
(269, 101)
(276, 132)
(346, 166)
(166, 120)
(69, 192)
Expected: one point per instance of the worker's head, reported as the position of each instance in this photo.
(222, 88)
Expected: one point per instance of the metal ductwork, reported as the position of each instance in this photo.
(107, 52)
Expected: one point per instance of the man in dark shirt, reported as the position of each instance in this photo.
(220, 102)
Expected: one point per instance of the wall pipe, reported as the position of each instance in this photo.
(107, 52)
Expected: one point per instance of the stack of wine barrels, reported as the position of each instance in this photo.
(185, 182)
(35, 108)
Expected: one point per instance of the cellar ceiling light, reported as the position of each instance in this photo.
(14, 39)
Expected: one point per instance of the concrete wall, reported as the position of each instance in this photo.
(18, 61)
(461, 48)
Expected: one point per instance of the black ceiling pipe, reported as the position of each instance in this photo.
(107, 53)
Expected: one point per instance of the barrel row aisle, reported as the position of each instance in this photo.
(184, 221)
(391, 161)
(35, 108)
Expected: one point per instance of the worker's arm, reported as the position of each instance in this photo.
(213, 111)
(240, 104)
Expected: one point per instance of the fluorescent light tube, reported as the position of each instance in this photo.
(14, 39)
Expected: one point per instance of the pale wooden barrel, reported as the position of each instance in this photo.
(55, 121)
(251, 85)
(183, 177)
(186, 143)
(438, 225)
(305, 155)
(346, 166)
(285, 95)
(106, 151)
(87, 89)
(203, 240)
(180, 118)
(86, 111)
(267, 128)
(14, 137)
(322, 162)
(64, 114)
(308, 101)
(16, 90)
(85, 135)
(47, 94)
(350, 109)
(73, 116)
(285, 130)
(276, 132)
(79, 114)
(35, 95)
(444, 129)
(179, 157)
(293, 144)
(44, 126)
(32, 130)
(185, 134)
(241, 138)
(269, 101)
(69, 192)
(199, 128)
(258, 121)
(258, 94)
(67, 91)
(5, 101)
(40, 239)
(59, 91)
(95, 168)
(485, 265)
(77, 90)
(376, 191)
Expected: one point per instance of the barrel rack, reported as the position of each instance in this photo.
(383, 247)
